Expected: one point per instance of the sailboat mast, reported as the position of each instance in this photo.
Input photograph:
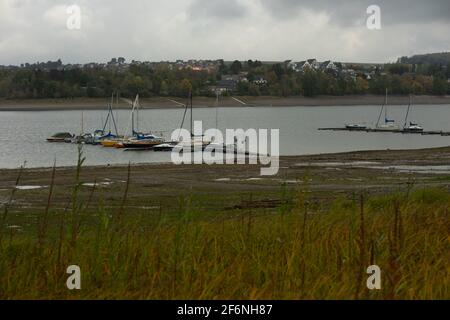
(192, 123)
(217, 109)
(137, 112)
(382, 108)
(112, 116)
(110, 112)
(385, 105)
(82, 123)
(132, 119)
(107, 119)
(407, 112)
(117, 110)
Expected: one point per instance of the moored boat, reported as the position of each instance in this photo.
(412, 127)
(389, 124)
(166, 146)
(86, 138)
(355, 127)
(110, 143)
(101, 135)
(194, 143)
(142, 141)
(60, 137)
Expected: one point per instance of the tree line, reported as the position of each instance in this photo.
(36, 82)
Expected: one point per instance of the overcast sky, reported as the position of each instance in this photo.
(154, 30)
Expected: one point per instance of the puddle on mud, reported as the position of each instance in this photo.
(30, 187)
(415, 169)
(98, 184)
(429, 169)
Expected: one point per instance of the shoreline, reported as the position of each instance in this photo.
(424, 156)
(199, 102)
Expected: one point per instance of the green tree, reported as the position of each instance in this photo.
(236, 67)
(439, 86)
(164, 89)
(185, 86)
(309, 83)
(254, 90)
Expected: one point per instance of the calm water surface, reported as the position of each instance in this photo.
(23, 133)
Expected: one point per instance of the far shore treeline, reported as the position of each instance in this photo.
(206, 77)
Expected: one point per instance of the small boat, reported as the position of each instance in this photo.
(60, 137)
(413, 127)
(142, 141)
(99, 137)
(355, 127)
(86, 138)
(389, 125)
(166, 146)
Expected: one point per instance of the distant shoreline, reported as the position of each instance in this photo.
(250, 101)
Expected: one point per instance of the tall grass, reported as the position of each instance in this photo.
(295, 252)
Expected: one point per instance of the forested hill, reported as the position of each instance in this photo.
(442, 58)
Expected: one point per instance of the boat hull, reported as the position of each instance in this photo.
(56, 139)
(136, 145)
(413, 130)
(109, 143)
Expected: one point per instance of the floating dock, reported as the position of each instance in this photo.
(403, 131)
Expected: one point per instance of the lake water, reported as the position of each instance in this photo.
(23, 133)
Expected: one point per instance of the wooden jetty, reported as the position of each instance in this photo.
(403, 131)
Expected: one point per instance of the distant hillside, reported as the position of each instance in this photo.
(430, 58)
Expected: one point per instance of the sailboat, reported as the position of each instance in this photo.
(389, 124)
(412, 127)
(195, 141)
(138, 140)
(100, 134)
(355, 126)
(216, 146)
(109, 140)
(83, 137)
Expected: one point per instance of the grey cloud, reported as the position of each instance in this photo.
(229, 29)
(216, 9)
(346, 12)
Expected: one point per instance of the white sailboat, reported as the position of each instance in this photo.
(412, 127)
(195, 141)
(138, 139)
(389, 124)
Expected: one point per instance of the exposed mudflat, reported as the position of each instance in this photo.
(326, 176)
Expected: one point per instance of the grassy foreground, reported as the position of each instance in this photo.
(295, 251)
